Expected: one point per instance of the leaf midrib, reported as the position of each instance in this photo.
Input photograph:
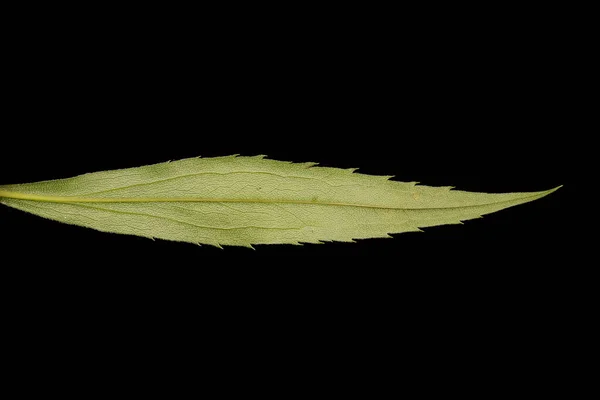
(76, 199)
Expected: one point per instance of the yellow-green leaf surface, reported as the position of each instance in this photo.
(243, 201)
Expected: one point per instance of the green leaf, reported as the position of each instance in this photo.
(242, 201)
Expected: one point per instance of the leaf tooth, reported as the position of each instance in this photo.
(381, 178)
(230, 157)
(345, 240)
(223, 158)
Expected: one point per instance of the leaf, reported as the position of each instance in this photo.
(242, 201)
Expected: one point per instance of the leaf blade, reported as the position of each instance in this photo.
(250, 200)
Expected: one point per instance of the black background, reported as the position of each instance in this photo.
(477, 104)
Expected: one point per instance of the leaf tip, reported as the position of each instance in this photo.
(545, 193)
(555, 189)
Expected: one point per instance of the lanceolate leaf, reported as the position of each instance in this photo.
(250, 200)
